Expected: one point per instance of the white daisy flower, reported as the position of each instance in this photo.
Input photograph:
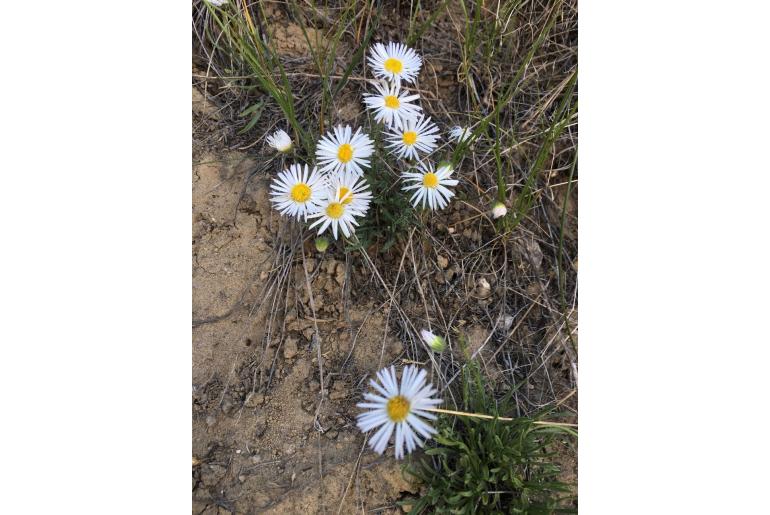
(280, 141)
(354, 190)
(391, 106)
(498, 210)
(416, 134)
(343, 150)
(394, 62)
(400, 408)
(297, 192)
(460, 134)
(430, 185)
(437, 343)
(339, 212)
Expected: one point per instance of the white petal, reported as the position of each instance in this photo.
(373, 422)
(380, 440)
(399, 441)
(424, 429)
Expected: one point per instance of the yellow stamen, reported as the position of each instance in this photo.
(397, 408)
(300, 192)
(335, 210)
(430, 180)
(393, 65)
(345, 153)
(392, 102)
(409, 137)
(346, 194)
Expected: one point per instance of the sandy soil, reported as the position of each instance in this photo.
(257, 453)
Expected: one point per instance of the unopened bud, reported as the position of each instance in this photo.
(498, 210)
(321, 244)
(437, 343)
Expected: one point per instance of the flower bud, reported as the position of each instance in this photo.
(321, 244)
(498, 210)
(280, 141)
(437, 343)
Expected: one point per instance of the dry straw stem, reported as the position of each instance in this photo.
(491, 417)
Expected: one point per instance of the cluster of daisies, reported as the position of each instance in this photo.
(334, 193)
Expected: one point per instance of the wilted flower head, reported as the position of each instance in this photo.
(398, 408)
(280, 141)
(218, 3)
(498, 210)
(460, 134)
(437, 343)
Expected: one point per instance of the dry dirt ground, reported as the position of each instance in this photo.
(268, 453)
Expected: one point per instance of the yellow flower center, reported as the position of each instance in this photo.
(391, 102)
(393, 65)
(300, 192)
(343, 192)
(409, 137)
(335, 210)
(430, 180)
(345, 153)
(397, 408)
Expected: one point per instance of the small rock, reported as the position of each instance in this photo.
(290, 348)
(228, 406)
(483, 289)
(241, 478)
(504, 322)
(320, 283)
(395, 348)
(442, 261)
(534, 253)
(260, 425)
(255, 399)
(212, 474)
(211, 420)
(308, 406)
(332, 435)
(340, 277)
